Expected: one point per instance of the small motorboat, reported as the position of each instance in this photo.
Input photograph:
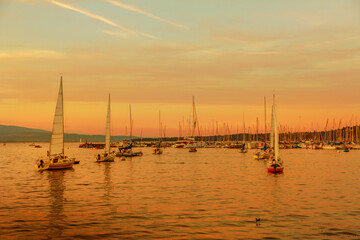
(192, 150)
(37, 146)
(131, 153)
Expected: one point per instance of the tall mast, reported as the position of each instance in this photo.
(257, 129)
(62, 104)
(243, 127)
(159, 127)
(107, 136)
(130, 124)
(194, 123)
(276, 133)
(265, 117)
(272, 144)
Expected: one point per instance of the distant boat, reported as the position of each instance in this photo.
(158, 150)
(275, 164)
(37, 146)
(56, 158)
(192, 143)
(107, 156)
(263, 153)
(243, 148)
(127, 151)
(192, 150)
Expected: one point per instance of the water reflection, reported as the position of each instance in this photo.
(108, 189)
(56, 215)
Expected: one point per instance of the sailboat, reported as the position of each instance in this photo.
(263, 153)
(56, 158)
(275, 164)
(107, 156)
(243, 148)
(158, 150)
(193, 144)
(193, 148)
(127, 151)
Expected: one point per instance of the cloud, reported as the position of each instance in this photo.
(117, 34)
(102, 19)
(135, 9)
(48, 54)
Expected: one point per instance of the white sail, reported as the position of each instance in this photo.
(107, 138)
(272, 128)
(276, 135)
(57, 136)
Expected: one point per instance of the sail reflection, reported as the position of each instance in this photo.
(108, 189)
(56, 215)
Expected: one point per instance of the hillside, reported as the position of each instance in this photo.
(22, 134)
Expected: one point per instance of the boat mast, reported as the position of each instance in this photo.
(159, 127)
(272, 145)
(265, 117)
(277, 157)
(244, 128)
(130, 124)
(194, 123)
(62, 115)
(107, 137)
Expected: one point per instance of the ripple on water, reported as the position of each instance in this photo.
(214, 194)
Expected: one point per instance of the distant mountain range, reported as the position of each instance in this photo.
(22, 134)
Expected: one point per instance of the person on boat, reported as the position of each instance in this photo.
(48, 153)
(41, 163)
(98, 156)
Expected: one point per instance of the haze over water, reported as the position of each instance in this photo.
(211, 194)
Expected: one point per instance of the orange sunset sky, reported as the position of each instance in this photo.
(157, 54)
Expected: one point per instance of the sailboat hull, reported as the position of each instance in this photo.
(105, 158)
(275, 170)
(55, 163)
(261, 155)
(157, 151)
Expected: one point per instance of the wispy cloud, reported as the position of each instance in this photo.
(35, 53)
(117, 34)
(103, 19)
(135, 9)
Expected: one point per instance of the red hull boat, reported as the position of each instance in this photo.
(275, 170)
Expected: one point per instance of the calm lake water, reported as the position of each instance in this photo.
(211, 194)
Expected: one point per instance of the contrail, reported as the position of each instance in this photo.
(117, 34)
(124, 35)
(135, 9)
(100, 18)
